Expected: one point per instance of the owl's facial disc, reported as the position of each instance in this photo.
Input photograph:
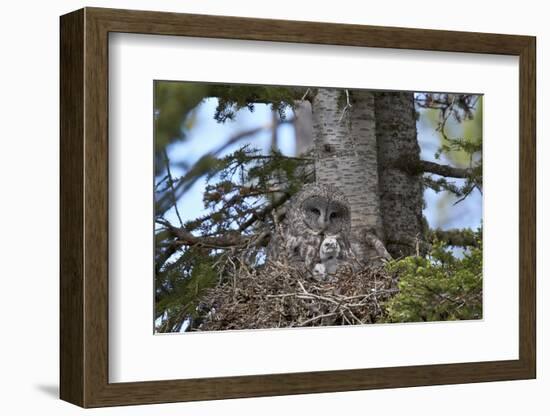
(324, 216)
(337, 214)
(315, 210)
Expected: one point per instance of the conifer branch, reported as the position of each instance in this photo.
(183, 237)
(455, 237)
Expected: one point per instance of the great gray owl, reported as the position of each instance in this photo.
(315, 213)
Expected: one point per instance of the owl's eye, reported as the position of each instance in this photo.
(333, 215)
(315, 211)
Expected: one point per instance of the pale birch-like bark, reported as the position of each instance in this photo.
(346, 156)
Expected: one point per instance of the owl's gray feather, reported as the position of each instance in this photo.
(315, 212)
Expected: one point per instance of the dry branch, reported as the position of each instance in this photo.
(445, 170)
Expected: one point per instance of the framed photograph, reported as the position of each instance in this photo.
(256, 207)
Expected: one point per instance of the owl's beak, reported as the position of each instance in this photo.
(322, 224)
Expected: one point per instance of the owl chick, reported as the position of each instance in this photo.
(330, 256)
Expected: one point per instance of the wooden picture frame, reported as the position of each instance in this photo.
(84, 207)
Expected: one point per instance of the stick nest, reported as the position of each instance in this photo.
(278, 295)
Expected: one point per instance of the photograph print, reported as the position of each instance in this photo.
(304, 206)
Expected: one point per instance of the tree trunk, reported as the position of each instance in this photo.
(344, 136)
(401, 191)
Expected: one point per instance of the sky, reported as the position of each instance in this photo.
(207, 134)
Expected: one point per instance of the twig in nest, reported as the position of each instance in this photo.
(278, 295)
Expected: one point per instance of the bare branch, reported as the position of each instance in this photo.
(445, 170)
